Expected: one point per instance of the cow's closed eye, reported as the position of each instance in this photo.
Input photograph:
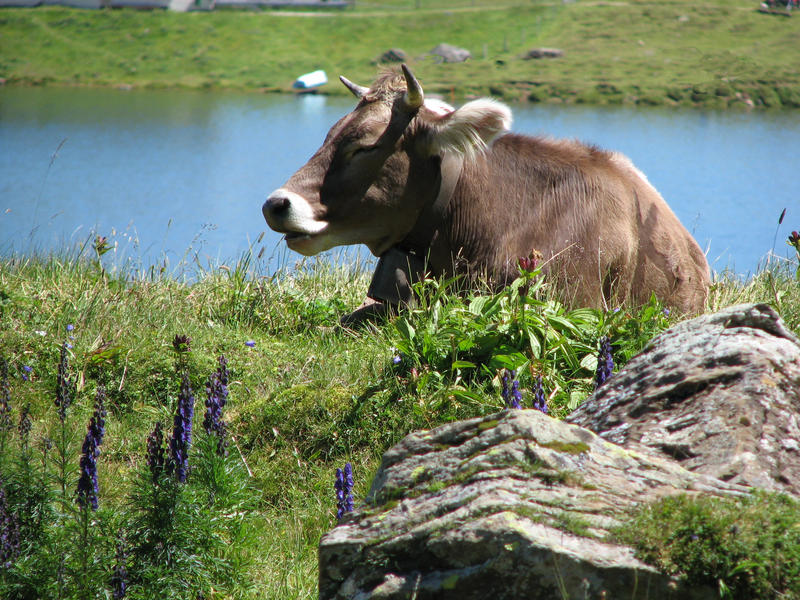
(361, 151)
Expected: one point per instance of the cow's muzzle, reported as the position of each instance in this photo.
(290, 213)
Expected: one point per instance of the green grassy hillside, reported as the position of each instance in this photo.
(716, 53)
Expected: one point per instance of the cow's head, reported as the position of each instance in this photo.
(379, 166)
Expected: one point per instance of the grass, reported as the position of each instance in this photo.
(306, 396)
(719, 53)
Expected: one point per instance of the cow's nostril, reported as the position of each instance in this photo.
(276, 205)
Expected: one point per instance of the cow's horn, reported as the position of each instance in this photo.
(414, 96)
(358, 90)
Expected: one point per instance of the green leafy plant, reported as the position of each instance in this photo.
(450, 340)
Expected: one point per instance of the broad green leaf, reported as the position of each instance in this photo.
(463, 364)
(405, 329)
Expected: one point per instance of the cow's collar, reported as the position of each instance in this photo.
(405, 262)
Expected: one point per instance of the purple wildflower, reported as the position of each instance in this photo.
(344, 490)
(182, 431)
(87, 483)
(528, 264)
(539, 400)
(64, 387)
(511, 398)
(794, 240)
(70, 327)
(26, 372)
(182, 344)
(155, 451)
(5, 397)
(24, 425)
(250, 344)
(9, 532)
(119, 576)
(217, 396)
(605, 362)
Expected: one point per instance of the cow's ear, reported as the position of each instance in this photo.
(471, 128)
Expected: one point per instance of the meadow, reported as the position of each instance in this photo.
(180, 439)
(301, 398)
(719, 53)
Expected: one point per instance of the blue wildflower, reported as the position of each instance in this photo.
(70, 327)
(250, 344)
(539, 400)
(182, 431)
(87, 483)
(605, 362)
(344, 490)
(26, 372)
(9, 532)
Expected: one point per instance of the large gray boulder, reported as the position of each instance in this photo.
(513, 505)
(720, 394)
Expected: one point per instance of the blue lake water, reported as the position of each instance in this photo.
(178, 177)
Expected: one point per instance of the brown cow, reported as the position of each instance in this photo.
(411, 177)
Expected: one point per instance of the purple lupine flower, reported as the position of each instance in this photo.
(511, 398)
(516, 395)
(5, 397)
(64, 387)
(9, 532)
(182, 431)
(539, 399)
(26, 372)
(344, 490)
(217, 396)
(119, 576)
(605, 362)
(87, 483)
(24, 425)
(155, 451)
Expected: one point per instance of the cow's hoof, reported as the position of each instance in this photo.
(369, 312)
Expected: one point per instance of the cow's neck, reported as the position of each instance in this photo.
(423, 234)
(406, 262)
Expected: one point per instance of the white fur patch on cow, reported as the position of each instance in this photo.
(298, 216)
(471, 128)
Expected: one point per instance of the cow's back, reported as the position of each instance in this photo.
(604, 232)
